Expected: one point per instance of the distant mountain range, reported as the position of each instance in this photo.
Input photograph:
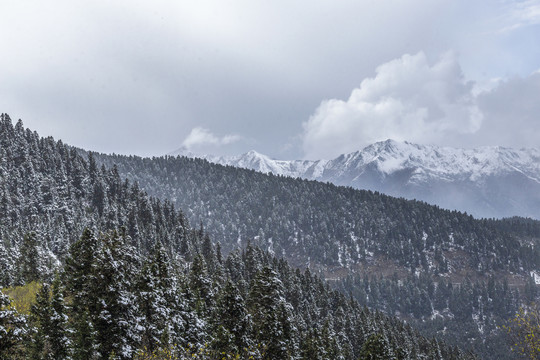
(485, 182)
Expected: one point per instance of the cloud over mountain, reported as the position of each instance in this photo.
(200, 136)
(408, 99)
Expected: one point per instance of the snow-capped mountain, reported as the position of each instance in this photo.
(485, 182)
(262, 163)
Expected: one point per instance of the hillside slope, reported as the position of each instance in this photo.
(436, 268)
(143, 279)
(323, 224)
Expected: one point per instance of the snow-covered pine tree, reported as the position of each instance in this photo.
(271, 324)
(377, 348)
(40, 317)
(29, 258)
(6, 266)
(80, 280)
(115, 316)
(200, 283)
(58, 336)
(232, 321)
(155, 300)
(13, 329)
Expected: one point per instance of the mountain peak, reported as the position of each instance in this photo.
(255, 154)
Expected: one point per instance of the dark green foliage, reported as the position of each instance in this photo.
(49, 321)
(232, 320)
(6, 267)
(114, 312)
(58, 335)
(13, 329)
(271, 315)
(158, 301)
(29, 258)
(156, 309)
(376, 347)
(39, 347)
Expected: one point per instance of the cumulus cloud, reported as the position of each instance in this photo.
(199, 137)
(408, 99)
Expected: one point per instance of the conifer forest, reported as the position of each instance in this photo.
(123, 257)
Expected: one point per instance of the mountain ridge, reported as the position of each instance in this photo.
(488, 181)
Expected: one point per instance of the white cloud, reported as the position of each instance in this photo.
(408, 99)
(202, 137)
(520, 14)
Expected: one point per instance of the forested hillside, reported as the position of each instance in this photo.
(455, 275)
(319, 223)
(47, 189)
(122, 275)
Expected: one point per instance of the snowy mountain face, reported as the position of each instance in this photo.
(253, 160)
(486, 182)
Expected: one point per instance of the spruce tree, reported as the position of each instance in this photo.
(58, 335)
(376, 348)
(231, 321)
(80, 282)
(114, 317)
(29, 258)
(40, 316)
(153, 291)
(13, 329)
(201, 285)
(271, 321)
(6, 266)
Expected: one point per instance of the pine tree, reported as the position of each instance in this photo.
(312, 347)
(435, 352)
(232, 321)
(83, 336)
(58, 336)
(29, 258)
(271, 321)
(6, 267)
(80, 281)
(376, 348)
(201, 285)
(40, 316)
(115, 313)
(153, 291)
(13, 329)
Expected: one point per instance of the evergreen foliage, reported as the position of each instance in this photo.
(135, 275)
(13, 329)
(327, 224)
(116, 322)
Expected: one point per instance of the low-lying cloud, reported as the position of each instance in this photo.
(201, 137)
(408, 99)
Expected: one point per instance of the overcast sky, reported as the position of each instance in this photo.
(291, 79)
